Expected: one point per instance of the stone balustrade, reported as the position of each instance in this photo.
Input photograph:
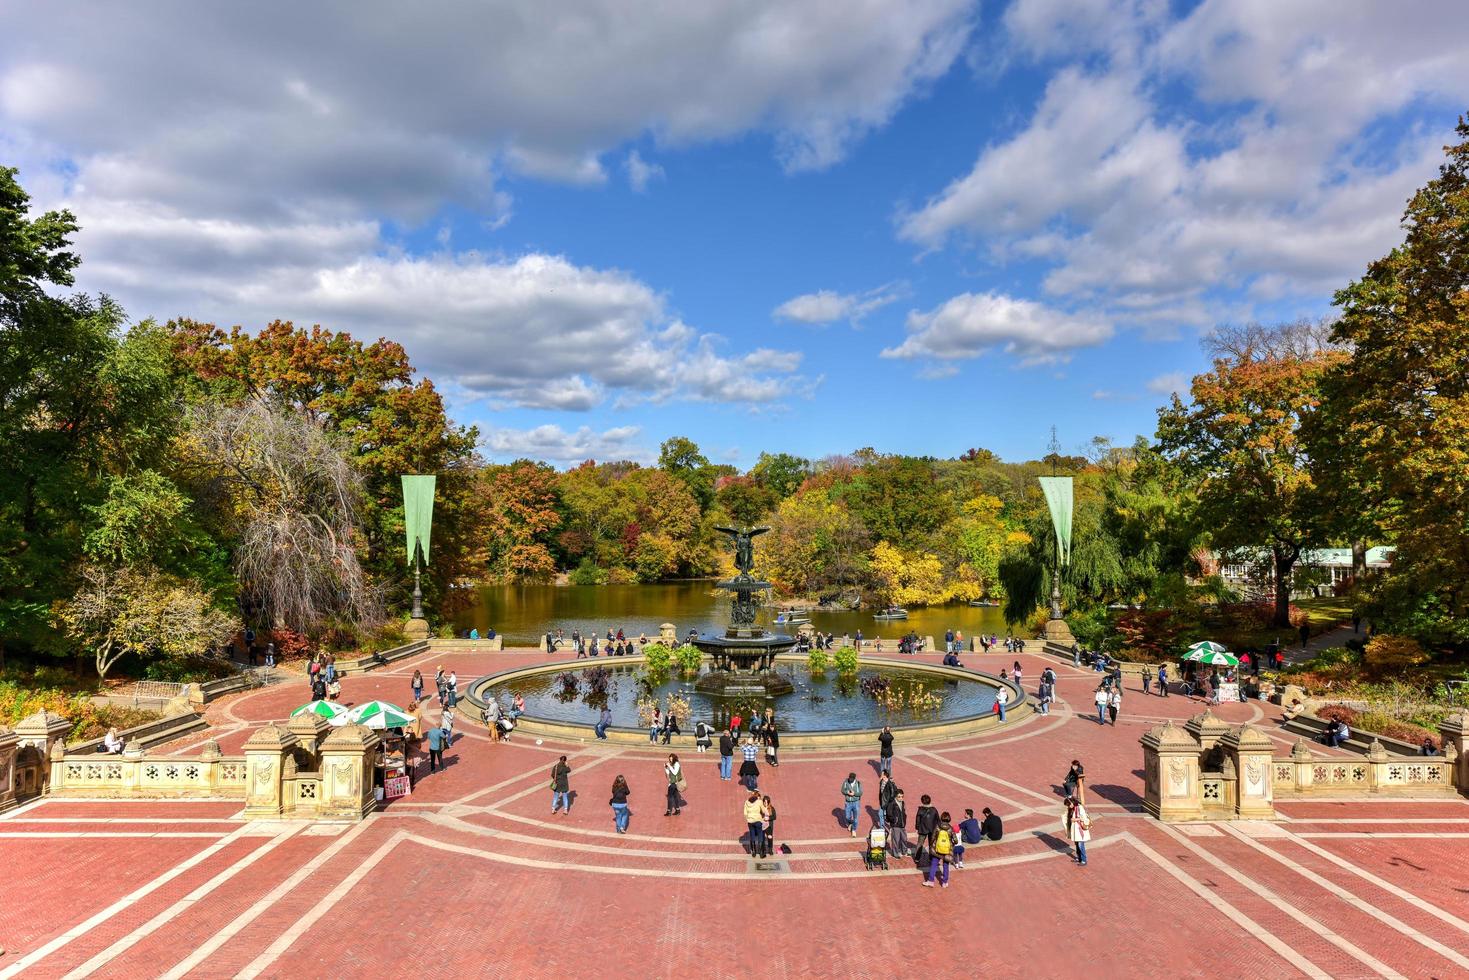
(137, 775)
(1208, 770)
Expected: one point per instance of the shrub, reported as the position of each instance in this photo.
(689, 658)
(289, 644)
(445, 631)
(846, 660)
(657, 658)
(622, 576)
(678, 707)
(816, 660)
(587, 573)
(1381, 724)
(1338, 712)
(185, 670)
(646, 707)
(1385, 653)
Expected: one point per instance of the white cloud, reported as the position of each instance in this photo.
(554, 444)
(1167, 384)
(1169, 165)
(641, 172)
(971, 324)
(825, 306)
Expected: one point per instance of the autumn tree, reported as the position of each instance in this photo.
(680, 457)
(1400, 403)
(1240, 441)
(521, 511)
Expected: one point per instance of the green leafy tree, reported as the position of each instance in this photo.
(1399, 405)
(681, 458)
(781, 473)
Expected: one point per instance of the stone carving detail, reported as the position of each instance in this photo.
(151, 772)
(172, 772)
(263, 772)
(114, 771)
(1177, 778)
(1211, 791)
(1254, 777)
(94, 771)
(1359, 774)
(73, 772)
(308, 790)
(232, 772)
(1284, 774)
(191, 773)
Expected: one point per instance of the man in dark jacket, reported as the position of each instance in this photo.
(726, 755)
(992, 827)
(925, 821)
(895, 816)
(887, 791)
(885, 751)
(561, 786)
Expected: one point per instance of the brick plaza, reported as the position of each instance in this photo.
(471, 876)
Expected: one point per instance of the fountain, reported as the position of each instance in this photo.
(743, 656)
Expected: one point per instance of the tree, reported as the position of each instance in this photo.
(139, 611)
(815, 545)
(1401, 401)
(745, 499)
(1240, 439)
(906, 579)
(521, 510)
(781, 473)
(295, 500)
(680, 457)
(897, 498)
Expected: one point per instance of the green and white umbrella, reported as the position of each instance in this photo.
(380, 715)
(1209, 652)
(330, 710)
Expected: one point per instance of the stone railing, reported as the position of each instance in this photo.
(381, 658)
(150, 733)
(1208, 770)
(137, 775)
(1303, 773)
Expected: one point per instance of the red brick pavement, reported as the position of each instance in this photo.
(471, 876)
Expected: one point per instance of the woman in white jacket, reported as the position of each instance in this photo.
(1078, 827)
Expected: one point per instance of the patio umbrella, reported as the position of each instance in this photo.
(1206, 646)
(1218, 658)
(380, 715)
(330, 710)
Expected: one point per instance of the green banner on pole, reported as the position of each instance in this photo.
(418, 512)
(1058, 497)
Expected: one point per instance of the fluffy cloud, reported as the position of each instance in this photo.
(970, 324)
(1167, 384)
(824, 306)
(554, 444)
(1169, 164)
(641, 172)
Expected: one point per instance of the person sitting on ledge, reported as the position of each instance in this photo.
(112, 742)
(1336, 733)
(951, 659)
(1428, 748)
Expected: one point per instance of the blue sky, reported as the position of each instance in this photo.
(806, 227)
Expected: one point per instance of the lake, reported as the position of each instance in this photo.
(522, 613)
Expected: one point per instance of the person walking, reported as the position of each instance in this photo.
(772, 743)
(1114, 704)
(1045, 696)
(1147, 681)
(726, 755)
(851, 800)
(1163, 679)
(895, 819)
(676, 785)
(452, 682)
(447, 724)
(755, 823)
(1016, 674)
(619, 804)
(270, 654)
(1078, 827)
(441, 685)
(925, 822)
(885, 750)
(604, 721)
(417, 684)
(435, 749)
(749, 769)
(1002, 699)
(1305, 633)
(1100, 697)
(943, 853)
(560, 786)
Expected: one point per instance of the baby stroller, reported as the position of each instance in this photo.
(876, 855)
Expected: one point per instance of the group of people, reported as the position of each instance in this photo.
(253, 650)
(321, 674)
(616, 644)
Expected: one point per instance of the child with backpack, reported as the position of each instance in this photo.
(943, 853)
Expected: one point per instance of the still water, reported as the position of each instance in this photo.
(522, 613)
(818, 704)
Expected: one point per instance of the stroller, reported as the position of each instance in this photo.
(876, 855)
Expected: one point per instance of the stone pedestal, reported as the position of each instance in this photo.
(265, 757)
(1171, 774)
(668, 635)
(310, 731)
(415, 629)
(7, 769)
(1250, 750)
(35, 737)
(1208, 730)
(1455, 733)
(1056, 631)
(346, 773)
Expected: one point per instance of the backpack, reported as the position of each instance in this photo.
(943, 842)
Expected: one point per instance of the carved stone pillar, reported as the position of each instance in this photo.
(1171, 774)
(667, 635)
(310, 731)
(1455, 732)
(7, 769)
(1251, 751)
(347, 759)
(1209, 731)
(265, 757)
(34, 738)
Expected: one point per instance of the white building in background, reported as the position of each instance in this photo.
(1317, 572)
